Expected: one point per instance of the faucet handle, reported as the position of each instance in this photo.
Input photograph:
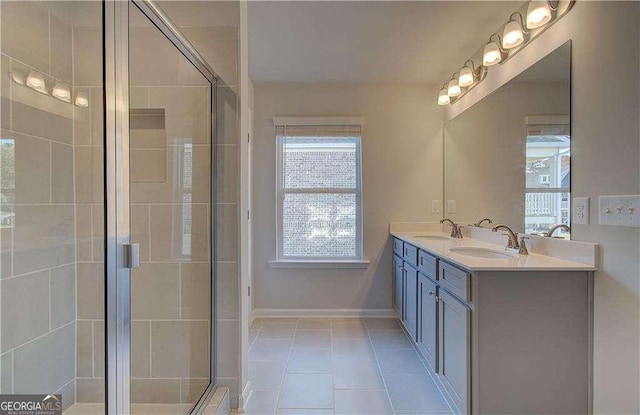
(510, 244)
(523, 246)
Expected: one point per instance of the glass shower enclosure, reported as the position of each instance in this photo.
(106, 203)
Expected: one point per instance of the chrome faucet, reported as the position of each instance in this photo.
(550, 232)
(513, 237)
(479, 223)
(456, 230)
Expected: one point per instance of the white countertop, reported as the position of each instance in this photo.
(531, 262)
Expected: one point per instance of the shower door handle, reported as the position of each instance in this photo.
(131, 257)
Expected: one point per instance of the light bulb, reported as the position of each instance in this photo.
(492, 54)
(62, 92)
(82, 100)
(453, 89)
(443, 97)
(466, 77)
(35, 80)
(538, 14)
(512, 35)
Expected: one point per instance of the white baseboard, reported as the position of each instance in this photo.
(322, 312)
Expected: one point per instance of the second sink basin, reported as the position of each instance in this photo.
(478, 252)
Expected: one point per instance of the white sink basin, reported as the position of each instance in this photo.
(478, 252)
(433, 237)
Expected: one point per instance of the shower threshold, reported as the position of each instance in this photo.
(136, 409)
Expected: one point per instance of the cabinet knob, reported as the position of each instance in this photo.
(431, 292)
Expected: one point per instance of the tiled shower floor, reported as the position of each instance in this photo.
(337, 366)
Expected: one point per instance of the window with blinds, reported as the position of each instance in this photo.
(319, 187)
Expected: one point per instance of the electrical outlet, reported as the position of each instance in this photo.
(580, 208)
(451, 206)
(619, 210)
(435, 206)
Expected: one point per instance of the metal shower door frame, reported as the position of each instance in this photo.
(117, 215)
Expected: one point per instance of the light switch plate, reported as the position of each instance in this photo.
(580, 211)
(435, 206)
(451, 206)
(619, 210)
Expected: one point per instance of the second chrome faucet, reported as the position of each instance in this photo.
(456, 230)
(513, 239)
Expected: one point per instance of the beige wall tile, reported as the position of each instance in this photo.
(6, 257)
(189, 75)
(148, 165)
(227, 232)
(227, 173)
(155, 390)
(219, 47)
(84, 356)
(180, 348)
(139, 97)
(192, 389)
(140, 356)
(83, 233)
(97, 117)
(97, 212)
(155, 291)
(227, 122)
(63, 295)
(61, 50)
(61, 173)
(25, 33)
(44, 237)
(153, 59)
(87, 57)
(25, 306)
(187, 112)
(98, 348)
(195, 290)
(148, 138)
(82, 119)
(89, 174)
(228, 344)
(31, 168)
(45, 364)
(170, 239)
(5, 103)
(90, 291)
(6, 373)
(90, 390)
(42, 123)
(227, 290)
(140, 229)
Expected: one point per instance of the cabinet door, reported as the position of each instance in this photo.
(455, 350)
(398, 287)
(428, 320)
(411, 300)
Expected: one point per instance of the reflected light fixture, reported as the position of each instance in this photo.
(82, 100)
(513, 33)
(492, 54)
(453, 90)
(17, 76)
(62, 92)
(35, 80)
(538, 14)
(443, 97)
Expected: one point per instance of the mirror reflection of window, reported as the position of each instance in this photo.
(548, 174)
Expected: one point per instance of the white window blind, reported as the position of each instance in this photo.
(319, 187)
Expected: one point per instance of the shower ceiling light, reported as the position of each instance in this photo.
(453, 90)
(513, 33)
(443, 97)
(62, 92)
(82, 100)
(35, 80)
(538, 14)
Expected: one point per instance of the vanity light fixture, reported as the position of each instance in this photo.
(62, 92)
(493, 54)
(82, 100)
(538, 13)
(35, 81)
(513, 33)
(443, 97)
(469, 74)
(453, 90)
(17, 76)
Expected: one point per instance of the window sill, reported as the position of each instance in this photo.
(347, 264)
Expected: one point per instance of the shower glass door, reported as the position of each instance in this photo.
(170, 180)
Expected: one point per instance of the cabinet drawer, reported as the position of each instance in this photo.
(455, 280)
(410, 254)
(428, 265)
(397, 246)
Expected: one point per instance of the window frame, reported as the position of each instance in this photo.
(281, 192)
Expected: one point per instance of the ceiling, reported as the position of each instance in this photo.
(367, 41)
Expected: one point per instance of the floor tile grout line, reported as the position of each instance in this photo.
(384, 382)
(286, 368)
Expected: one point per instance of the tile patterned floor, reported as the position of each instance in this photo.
(353, 366)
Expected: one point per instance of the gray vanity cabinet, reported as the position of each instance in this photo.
(398, 286)
(410, 318)
(454, 333)
(427, 337)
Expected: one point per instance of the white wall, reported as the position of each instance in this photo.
(606, 160)
(402, 173)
